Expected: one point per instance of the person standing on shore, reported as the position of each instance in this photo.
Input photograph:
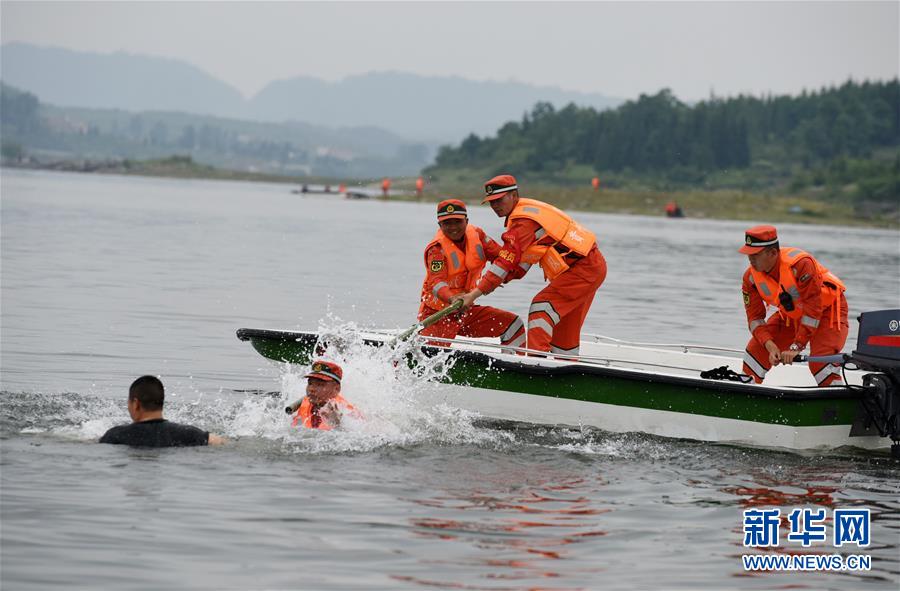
(538, 233)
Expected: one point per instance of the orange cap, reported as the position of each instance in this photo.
(325, 370)
(758, 238)
(498, 186)
(449, 209)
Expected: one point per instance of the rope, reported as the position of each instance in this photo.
(725, 373)
(684, 347)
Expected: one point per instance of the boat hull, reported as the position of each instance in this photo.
(624, 399)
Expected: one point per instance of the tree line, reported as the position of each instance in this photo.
(661, 134)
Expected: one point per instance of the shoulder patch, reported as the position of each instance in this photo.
(436, 266)
(746, 298)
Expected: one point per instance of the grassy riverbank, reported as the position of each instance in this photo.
(728, 204)
(714, 204)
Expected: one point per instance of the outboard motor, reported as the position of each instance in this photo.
(878, 350)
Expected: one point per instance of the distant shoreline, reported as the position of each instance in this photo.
(718, 204)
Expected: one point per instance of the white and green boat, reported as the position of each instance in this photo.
(665, 390)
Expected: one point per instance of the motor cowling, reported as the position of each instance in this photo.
(878, 350)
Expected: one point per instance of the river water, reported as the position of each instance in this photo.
(107, 278)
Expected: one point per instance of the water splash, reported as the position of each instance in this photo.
(399, 406)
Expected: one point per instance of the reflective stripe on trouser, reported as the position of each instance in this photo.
(573, 351)
(829, 375)
(754, 368)
(478, 321)
(558, 311)
(515, 334)
(826, 340)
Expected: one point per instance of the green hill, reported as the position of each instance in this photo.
(836, 149)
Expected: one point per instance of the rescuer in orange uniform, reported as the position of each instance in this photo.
(539, 233)
(454, 260)
(323, 405)
(811, 307)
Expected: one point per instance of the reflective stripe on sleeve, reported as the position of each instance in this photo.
(809, 321)
(498, 270)
(756, 324)
(438, 286)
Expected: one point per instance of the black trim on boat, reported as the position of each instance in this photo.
(798, 393)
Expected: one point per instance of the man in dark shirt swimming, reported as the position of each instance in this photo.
(149, 429)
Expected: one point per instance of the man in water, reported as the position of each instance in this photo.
(323, 405)
(454, 260)
(149, 429)
(811, 307)
(537, 232)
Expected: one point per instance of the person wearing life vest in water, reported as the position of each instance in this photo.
(323, 405)
(538, 233)
(810, 303)
(454, 261)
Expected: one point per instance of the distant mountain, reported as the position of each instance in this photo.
(422, 108)
(48, 133)
(118, 80)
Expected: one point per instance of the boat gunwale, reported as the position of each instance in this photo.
(790, 393)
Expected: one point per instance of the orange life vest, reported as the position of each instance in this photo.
(309, 417)
(770, 290)
(463, 268)
(559, 230)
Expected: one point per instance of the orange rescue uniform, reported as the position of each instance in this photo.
(539, 233)
(818, 317)
(308, 415)
(451, 269)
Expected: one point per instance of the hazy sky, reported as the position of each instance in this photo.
(616, 48)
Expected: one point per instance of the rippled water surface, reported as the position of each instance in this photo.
(108, 278)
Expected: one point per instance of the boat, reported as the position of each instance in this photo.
(669, 390)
